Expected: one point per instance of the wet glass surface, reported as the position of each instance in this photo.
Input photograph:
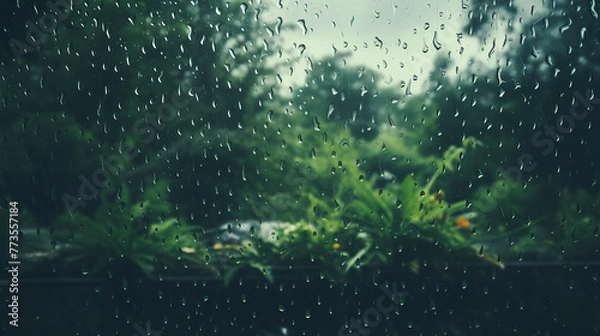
(299, 168)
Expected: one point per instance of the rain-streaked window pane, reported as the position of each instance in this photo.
(299, 168)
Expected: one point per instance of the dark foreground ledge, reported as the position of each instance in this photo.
(525, 299)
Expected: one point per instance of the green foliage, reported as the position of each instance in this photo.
(577, 232)
(341, 219)
(125, 230)
(361, 177)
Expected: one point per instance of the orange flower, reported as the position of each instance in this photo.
(463, 223)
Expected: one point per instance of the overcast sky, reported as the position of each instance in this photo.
(395, 36)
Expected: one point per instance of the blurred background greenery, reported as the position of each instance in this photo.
(359, 171)
(213, 142)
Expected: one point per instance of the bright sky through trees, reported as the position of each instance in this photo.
(402, 39)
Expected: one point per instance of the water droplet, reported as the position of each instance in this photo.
(302, 48)
(436, 44)
(493, 49)
(278, 25)
(330, 110)
(189, 36)
(302, 24)
(256, 14)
